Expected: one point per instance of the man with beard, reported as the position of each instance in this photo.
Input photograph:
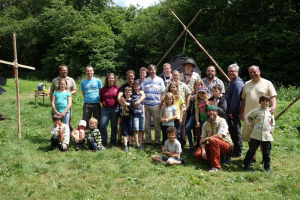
(215, 139)
(212, 80)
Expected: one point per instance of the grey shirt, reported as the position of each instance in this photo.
(173, 148)
(210, 85)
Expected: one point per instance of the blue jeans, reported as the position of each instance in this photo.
(66, 120)
(127, 127)
(189, 127)
(106, 115)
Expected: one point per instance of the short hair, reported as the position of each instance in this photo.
(130, 72)
(264, 97)
(56, 116)
(257, 67)
(151, 66)
(169, 95)
(94, 120)
(106, 79)
(63, 65)
(218, 86)
(128, 89)
(136, 82)
(89, 66)
(144, 69)
(167, 64)
(171, 129)
(211, 66)
(235, 66)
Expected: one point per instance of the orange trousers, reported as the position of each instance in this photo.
(214, 150)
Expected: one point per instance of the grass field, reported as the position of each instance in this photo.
(27, 171)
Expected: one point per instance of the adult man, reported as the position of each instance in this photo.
(189, 76)
(215, 139)
(167, 76)
(212, 80)
(233, 98)
(253, 89)
(154, 88)
(71, 85)
(90, 88)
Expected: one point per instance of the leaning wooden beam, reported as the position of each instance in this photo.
(19, 65)
(209, 56)
(283, 111)
(180, 36)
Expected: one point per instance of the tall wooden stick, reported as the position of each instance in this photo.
(17, 83)
(283, 111)
(180, 36)
(209, 56)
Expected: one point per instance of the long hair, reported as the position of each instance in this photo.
(169, 95)
(197, 81)
(177, 93)
(106, 79)
(198, 99)
(62, 80)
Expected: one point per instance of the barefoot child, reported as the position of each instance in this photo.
(262, 122)
(93, 137)
(60, 132)
(168, 115)
(171, 154)
(79, 135)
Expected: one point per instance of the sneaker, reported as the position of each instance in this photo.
(141, 148)
(214, 169)
(130, 146)
(269, 170)
(249, 169)
(77, 146)
(126, 148)
(253, 161)
(182, 161)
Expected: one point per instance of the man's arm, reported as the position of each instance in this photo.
(120, 94)
(273, 104)
(83, 94)
(73, 92)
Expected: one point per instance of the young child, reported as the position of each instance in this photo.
(60, 132)
(62, 101)
(79, 135)
(93, 137)
(219, 101)
(171, 154)
(168, 115)
(143, 75)
(200, 107)
(167, 76)
(138, 116)
(191, 115)
(126, 123)
(263, 123)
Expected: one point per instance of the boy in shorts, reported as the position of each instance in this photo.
(60, 132)
(171, 154)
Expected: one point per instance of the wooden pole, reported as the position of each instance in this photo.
(17, 84)
(209, 56)
(287, 107)
(180, 36)
(19, 65)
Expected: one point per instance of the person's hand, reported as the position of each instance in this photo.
(136, 104)
(76, 139)
(213, 102)
(207, 102)
(98, 147)
(63, 114)
(191, 98)
(127, 109)
(64, 146)
(241, 117)
(198, 125)
(272, 110)
(230, 116)
(180, 121)
(271, 131)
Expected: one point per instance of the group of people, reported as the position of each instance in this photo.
(178, 104)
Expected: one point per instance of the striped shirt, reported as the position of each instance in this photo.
(153, 89)
(94, 134)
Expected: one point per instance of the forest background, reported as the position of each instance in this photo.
(115, 39)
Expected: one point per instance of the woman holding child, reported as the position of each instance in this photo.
(108, 99)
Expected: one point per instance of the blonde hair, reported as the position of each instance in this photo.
(198, 81)
(198, 99)
(167, 64)
(94, 120)
(169, 95)
(144, 69)
(62, 80)
(177, 93)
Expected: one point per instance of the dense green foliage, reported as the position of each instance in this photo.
(112, 38)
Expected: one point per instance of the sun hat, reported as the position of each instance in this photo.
(189, 61)
(202, 89)
(82, 123)
(211, 107)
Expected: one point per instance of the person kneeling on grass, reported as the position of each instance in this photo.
(79, 135)
(171, 154)
(93, 137)
(60, 132)
(215, 139)
(262, 122)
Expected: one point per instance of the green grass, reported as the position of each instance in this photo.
(27, 171)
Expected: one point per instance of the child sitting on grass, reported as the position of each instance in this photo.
(219, 101)
(60, 132)
(171, 154)
(93, 136)
(79, 135)
(262, 122)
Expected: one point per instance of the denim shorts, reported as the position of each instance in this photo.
(165, 159)
(138, 123)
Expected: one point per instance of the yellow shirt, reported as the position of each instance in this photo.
(177, 104)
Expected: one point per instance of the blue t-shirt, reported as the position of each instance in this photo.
(167, 114)
(139, 110)
(61, 100)
(91, 90)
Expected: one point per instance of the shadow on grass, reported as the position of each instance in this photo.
(37, 104)
(36, 140)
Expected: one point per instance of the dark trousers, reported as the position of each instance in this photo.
(55, 143)
(88, 110)
(178, 127)
(164, 134)
(236, 135)
(253, 145)
(92, 144)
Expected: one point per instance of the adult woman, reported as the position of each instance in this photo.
(108, 98)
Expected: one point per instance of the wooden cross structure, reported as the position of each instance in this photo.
(16, 66)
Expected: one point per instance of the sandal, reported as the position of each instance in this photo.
(214, 169)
